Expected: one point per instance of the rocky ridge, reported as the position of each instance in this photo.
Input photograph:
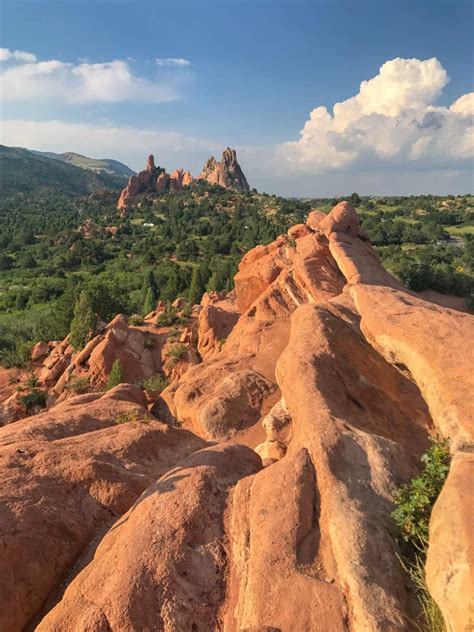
(321, 379)
(227, 173)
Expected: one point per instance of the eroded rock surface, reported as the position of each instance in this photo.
(162, 565)
(65, 476)
(332, 373)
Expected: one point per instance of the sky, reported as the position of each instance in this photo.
(319, 98)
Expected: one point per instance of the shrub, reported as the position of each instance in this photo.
(176, 353)
(167, 318)
(31, 381)
(133, 414)
(414, 502)
(37, 397)
(116, 375)
(149, 343)
(174, 334)
(157, 382)
(78, 385)
(136, 319)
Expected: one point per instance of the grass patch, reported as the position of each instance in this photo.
(133, 414)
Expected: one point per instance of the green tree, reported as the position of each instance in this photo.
(116, 375)
(197, 287)
(84, 323)
(150, 302)
(149, 283)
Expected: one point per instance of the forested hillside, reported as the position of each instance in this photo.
(23, 172)
(104, 165)
(180, 244)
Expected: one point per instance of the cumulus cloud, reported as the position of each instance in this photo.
(78, 83)
(172, 61)
(393, 120)
(126, 143)
(18, 55)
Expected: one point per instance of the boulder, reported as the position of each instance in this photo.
(163, 565)
(65, 475)
(40, 350)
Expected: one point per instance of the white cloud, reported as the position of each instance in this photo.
(172, 61)
(78, 83)
(128, 144)
(393, 120)
(18, 55)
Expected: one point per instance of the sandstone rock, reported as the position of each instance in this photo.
(270, 451)
(40, 349)
(314, 218)
(162, 182)
(215, 324)
(227, 173)
(323, 538)
(277, 424)
(163, 565)
(430, 341)
(299, 230)
(450, 560)
(65, 475)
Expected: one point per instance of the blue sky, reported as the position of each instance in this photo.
(250, 75)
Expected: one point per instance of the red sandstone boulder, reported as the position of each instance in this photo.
(163, 565)
(65, 475)
(40, 350)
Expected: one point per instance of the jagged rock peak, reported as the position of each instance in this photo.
(227, 173)
(150, 163)
(152, 179)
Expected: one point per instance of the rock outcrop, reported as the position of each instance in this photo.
(227, 173)
(325, 379)
(152, 180)
(65, 477)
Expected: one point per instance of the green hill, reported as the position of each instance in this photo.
(24, 172)
(103, 165)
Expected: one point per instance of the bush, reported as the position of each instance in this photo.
(177, 352)
(133, 414)
(167, 318)
(116, 375)
(149, 343)
(157, 382)
(414, 502)
(78, 385)
(136, 320)
(31, 380)
(37, 397)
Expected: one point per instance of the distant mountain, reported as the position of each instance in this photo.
(104, 165)
(26, 172)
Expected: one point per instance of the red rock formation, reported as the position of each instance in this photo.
(227, 173)
(64, 478)
(334, 374)
(175, 581)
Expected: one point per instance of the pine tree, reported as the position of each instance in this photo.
(213, 283)
(197, 287)
(84, 323)
(116, 375)
(171, 290)
(149, 283)
(150, 302)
